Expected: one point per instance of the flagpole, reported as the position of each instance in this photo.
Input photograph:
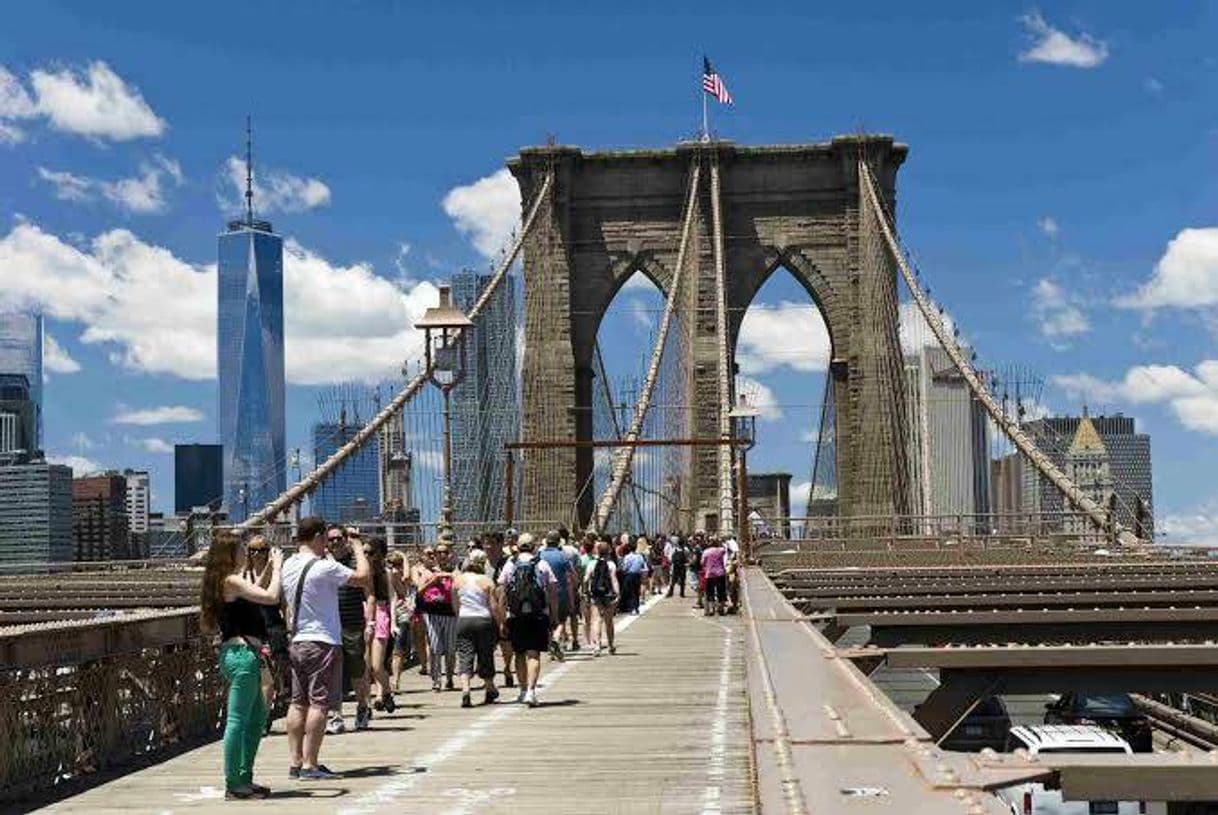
(705, 127)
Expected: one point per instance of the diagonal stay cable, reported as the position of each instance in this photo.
(1010, 427)
(309, 482)
(621, 462)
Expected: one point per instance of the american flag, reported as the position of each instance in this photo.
(713, 84)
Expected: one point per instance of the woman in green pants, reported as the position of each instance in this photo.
(230, 605)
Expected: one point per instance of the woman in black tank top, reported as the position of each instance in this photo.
(231, 604)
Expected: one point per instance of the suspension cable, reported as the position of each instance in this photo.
(309, 482)
(1013, 431)
(624, 456)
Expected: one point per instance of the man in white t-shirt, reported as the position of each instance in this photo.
(315, 649)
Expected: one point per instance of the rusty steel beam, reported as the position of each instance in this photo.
(1165, 656)
(1031, 600)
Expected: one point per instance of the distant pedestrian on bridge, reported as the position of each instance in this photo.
(231, 604)
(634, 569)
(436, 601)
(602, 588)
(311, 582)
(354, 636)
(497, 557)
(560, 563)
(714, 572)
(531, 598)
(678, 562)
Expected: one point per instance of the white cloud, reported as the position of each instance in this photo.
(55, 358)
(1196, 527)
(95, 102)
(644, 317)
(80, 465)
(1057, 313)
(81, 441)
(142, 194)
(274, 190)
(790, 334)
(1192, 397)
(913, 329)
(1153, 86)
(166, 414)
(485, 211)
(10, 133)
(1049, 226)
(760, 396)
(157, 312)
(1185, 277)
(1054, 47)
(152, 445)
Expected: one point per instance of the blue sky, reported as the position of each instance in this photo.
(1058, 192)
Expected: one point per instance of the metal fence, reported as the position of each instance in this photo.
(81, 697)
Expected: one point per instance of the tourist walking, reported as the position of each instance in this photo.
(436, 602)
(529, 588)
(420, 573)
(311, 583)
(379, 626)
(479, 619)
(403, 610)
(602, 590)
(634, 570)
(714, 571)
(565, 585)
(231, 604)
(678, 562)
(497, 555)
(354, 636)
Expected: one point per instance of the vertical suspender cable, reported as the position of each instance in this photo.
(726, 510)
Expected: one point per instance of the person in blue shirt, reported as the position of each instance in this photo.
(564, 575)
(634, 569)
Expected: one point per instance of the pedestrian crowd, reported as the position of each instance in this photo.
(343, 615)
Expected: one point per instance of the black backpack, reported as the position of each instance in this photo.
(679, 557)
(601, 586)
(526, 597)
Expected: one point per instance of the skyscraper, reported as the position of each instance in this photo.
(21, 353)
(250, 361)
(35, 513)
(198, 477)
(18, 418)
(948, 439)
(99, 518)
(1129, 463)
(484, 404)
(354, 492)
(139, 500)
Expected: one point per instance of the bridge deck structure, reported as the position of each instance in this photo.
(662, 726)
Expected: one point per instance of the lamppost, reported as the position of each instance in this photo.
(444, 329)
(744, 429)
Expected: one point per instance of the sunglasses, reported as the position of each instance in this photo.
(334, 538)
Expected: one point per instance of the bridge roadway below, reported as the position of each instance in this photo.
(662, 727)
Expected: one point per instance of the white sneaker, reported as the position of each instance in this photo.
(336, 726)
(530, 698)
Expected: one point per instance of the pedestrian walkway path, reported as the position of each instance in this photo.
(660, 727)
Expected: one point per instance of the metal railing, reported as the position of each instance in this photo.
(81, 697)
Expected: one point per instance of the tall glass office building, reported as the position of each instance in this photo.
(354, 492)
(21, 353)
(250, 364)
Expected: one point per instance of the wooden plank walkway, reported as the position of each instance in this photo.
(661, 727)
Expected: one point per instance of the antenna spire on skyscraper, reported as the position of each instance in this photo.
(249, 170)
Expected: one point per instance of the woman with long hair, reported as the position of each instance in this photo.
(603, 591)
(403, 610)
(380, 625)
(230, 605)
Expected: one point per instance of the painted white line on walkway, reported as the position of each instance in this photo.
(390, 791)
(716, 768)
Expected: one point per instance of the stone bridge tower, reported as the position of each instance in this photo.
(610, 214)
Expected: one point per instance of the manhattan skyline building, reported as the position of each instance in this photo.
(485, 405)
(948, 439)
(249, 352)
(198, 477)
(354, 492)
(18, 418)
(21, 337)
(36, 513)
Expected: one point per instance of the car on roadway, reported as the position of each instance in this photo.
(1114, 711)
(1037, 798)
(986, 725)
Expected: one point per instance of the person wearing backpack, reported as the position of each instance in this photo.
(560, 563)
(602, 589)
(678, 563)
(435, 599)
(530, 594)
